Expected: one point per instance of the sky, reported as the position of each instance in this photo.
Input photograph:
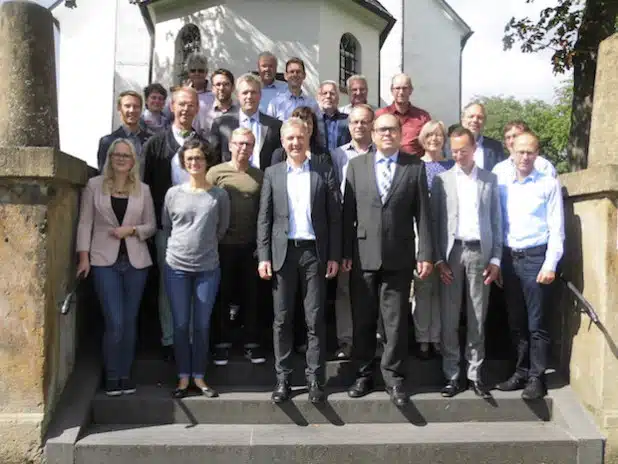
(487, 69)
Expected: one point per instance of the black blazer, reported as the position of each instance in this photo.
(493, 152)
(224, 125)
(106, 141)
(272, 232)
(381, 236)
(158, 153)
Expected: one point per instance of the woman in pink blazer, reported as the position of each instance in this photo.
(116, 218)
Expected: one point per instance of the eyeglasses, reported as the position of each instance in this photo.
(384, 130)
(197, 70)
(244, 144)
(122, 156)
(194, 159)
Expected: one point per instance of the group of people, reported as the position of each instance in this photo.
(278, 186)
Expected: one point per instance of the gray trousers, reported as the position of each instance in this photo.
(426, 308)
(165, 314)
(343, 310)
(467, 265)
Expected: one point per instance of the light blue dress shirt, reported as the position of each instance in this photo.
(381, 166)
(283, 104)
(532, 212)
(541, 164)
(300, 226)
(253, 123)
(269, 92)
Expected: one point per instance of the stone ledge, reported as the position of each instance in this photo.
(592, 181)
(42, 162)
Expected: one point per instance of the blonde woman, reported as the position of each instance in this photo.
(116, 218)
(426, 301)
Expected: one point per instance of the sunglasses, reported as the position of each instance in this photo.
(197, 70)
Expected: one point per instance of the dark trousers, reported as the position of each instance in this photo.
(300, 261)
(119, 288)
(192, 297)
(238, 287)
(527, 307)
(384, 293)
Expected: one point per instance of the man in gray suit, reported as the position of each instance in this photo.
(299, 239)
(266, 129)
(467, 229)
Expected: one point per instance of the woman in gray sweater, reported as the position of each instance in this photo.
(196, 216)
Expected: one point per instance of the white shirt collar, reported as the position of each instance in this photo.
(473, 174)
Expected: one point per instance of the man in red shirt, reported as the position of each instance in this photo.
(411, 117)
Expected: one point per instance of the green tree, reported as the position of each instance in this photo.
(550, 121)
(573, 30)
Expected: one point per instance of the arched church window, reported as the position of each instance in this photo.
(189, 40)
(349, 59)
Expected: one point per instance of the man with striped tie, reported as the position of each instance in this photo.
(385, 196)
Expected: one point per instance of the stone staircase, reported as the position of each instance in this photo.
(244, 426)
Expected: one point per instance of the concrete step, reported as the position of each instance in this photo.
(153, 405)
(241, 372)
(463, 443)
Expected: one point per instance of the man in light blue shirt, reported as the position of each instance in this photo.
(267, 69)
(533, 222)
(282, 105)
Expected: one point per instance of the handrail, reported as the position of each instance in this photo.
(586, 306)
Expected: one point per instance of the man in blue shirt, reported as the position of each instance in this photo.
(332, 124)
(267, 69)
(533, 223)
(282, 105)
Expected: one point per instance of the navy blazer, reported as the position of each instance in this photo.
(106, 142)
(492, 149)
(343, 132)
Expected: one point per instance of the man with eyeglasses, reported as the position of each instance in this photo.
(197, 71)
(265, 129)
(162, 170)
(533, 223)
(223, 89)
(385, 198)
(360, 122)
(129, 105)
(411, 118)
(237, 258)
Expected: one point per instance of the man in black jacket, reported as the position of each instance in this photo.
(162, 170)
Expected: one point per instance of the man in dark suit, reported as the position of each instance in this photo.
(489, 152)
(385, 196)
(332, 124)
(129, 106)
(299, 238)
(265, 128)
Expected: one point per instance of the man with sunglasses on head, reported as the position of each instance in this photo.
(385, 198)
(197, 71)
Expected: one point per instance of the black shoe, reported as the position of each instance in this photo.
(362, 386)
(127, 386)
(112, 387)
(167, 353)
(255, 354)
(534, 390)
(179, 393)
(316, 392)
(398, 395)
(281, 392)
(479, 389)
(516, 382)
(452, 388)
(220, 356)
(343, 353)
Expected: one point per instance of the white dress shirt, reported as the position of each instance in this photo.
(479, 154)
(468, 227)
(179, 175)
(300, 226)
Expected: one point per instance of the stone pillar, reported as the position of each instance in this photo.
(591, 259)
(39, 191)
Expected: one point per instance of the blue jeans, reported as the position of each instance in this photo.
(184, 288)
(119, 288)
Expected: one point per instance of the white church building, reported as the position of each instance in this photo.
(107, 46)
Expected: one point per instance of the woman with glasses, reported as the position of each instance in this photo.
(116, 218)
(196, 217)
